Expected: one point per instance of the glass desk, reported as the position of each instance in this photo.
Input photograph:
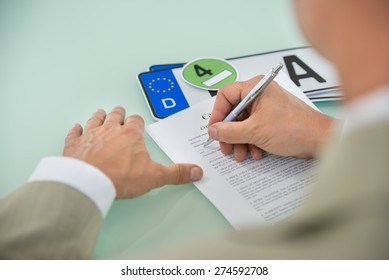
(61, 60)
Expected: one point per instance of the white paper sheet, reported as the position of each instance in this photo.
(248, 193)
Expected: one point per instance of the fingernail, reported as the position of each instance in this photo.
(196, 174)
(213, 133)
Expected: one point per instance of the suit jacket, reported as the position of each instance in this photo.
(48, 220)
(347, 216)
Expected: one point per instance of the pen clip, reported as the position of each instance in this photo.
(277, 69)
(273, 72)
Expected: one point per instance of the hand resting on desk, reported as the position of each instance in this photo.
(116, 146)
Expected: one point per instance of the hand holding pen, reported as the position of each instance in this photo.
(278, 123)
(250, 97)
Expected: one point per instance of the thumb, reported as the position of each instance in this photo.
(230, 132)
(182, 173)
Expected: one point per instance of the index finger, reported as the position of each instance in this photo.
(135, 123)
(230, 96)
(116, 116)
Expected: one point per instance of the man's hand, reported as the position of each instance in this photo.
(115, 145)
(276, 122)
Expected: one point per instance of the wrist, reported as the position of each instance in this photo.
(321, 132)
(79, 175)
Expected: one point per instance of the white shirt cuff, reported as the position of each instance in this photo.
(80, 175)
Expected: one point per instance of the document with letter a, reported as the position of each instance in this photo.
(248, 193)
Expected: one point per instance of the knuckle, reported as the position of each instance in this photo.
(180, 174)
(95, 119)
(230, 87)
(136, 119)
(135, 124)
(100, 113)
(115, 114)
(133, 130)
(117, 110)
(224, 133)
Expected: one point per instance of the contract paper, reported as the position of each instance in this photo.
(249, 193)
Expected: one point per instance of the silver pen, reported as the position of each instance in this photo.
(250, 97)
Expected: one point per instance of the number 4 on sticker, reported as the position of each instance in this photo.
(209, 73)
(200, 71)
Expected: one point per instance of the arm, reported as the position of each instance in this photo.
(48, 220)
(56, 216)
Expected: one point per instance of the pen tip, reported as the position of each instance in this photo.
(209, 141)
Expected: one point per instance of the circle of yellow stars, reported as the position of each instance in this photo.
(157, 80)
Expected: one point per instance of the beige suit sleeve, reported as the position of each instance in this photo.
(346, 217)
(48, 220)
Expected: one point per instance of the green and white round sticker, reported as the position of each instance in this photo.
(209, 73)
